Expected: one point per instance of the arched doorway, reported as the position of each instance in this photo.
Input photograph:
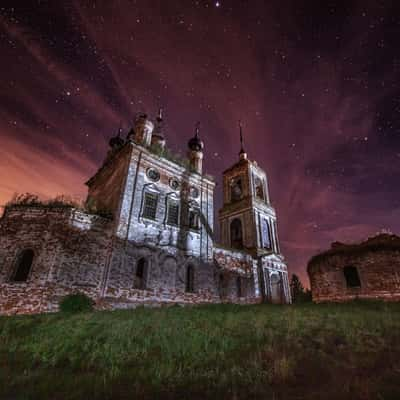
(276, 288)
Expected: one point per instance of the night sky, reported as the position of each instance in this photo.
(315, 83)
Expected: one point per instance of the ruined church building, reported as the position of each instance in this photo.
(158, 247)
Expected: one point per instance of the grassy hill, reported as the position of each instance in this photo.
(349, 351)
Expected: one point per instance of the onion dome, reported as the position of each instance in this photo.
(195, 143)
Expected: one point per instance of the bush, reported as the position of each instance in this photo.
(75, 303)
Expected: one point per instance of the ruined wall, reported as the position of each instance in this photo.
(76, 252)
(379, 273)
(70, 252)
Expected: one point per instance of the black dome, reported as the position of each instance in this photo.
(196, 144)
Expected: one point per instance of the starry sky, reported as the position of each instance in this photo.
(315, 83)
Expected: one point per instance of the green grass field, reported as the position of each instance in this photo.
(349, 351)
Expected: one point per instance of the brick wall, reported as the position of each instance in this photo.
(379, 273)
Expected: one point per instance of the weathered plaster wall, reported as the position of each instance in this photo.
(379, 273)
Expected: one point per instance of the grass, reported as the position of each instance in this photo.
(347, 351)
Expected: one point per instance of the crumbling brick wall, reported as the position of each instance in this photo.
(70, 252)
(378, 272)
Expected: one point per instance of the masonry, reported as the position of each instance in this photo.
(368, 270)
(145, 235)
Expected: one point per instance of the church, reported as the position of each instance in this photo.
(146, 234)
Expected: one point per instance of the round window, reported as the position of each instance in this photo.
(194, 192)
(174, 184)
(153, 174)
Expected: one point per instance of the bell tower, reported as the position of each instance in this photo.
(247, 219)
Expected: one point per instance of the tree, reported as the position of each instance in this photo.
(299, 294)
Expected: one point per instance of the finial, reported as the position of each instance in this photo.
(197, 129)
(159, 117)
(241, 137)
(120, 128)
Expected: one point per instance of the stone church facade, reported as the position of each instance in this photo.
(156, 244)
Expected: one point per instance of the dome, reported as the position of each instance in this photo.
(196, 144)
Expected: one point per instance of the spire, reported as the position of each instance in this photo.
(159, 131)
(242, 153)
(197, 129)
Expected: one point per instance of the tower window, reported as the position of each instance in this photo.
(352, 277)
(236, 189)
(24, 265)
(266, 234)
(189, 286)
(239, 286)
(236, 234)
(259, 189)
(141, 273)
(172, 212)
(150, 205)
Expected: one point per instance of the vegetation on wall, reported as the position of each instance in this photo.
(61, 201)
(381, 242)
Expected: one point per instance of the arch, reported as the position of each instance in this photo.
(141, 273)
(352, 277)
(189, 282)
(23, 266)
(236, 234)
(276, 288)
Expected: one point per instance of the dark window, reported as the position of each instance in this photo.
(352, 277)
(173, 213)
(239, 286)
(150, 205)
(236, 189)
(140, 275)
(236, 234)
(24, 265)
(259, 189)
(194, 219)
(190, 279)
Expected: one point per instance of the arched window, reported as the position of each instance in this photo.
(189, 287)
(259, 189)
(351, 276)
(239, 286)
(141, 274)
(236, 234)
(24, 265)
(236, 189)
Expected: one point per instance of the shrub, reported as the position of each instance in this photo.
(75, 303)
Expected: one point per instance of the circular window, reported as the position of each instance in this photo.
(194, 192)
(153, 174)
(174, 184)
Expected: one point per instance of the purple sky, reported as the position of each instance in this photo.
(316, 85)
